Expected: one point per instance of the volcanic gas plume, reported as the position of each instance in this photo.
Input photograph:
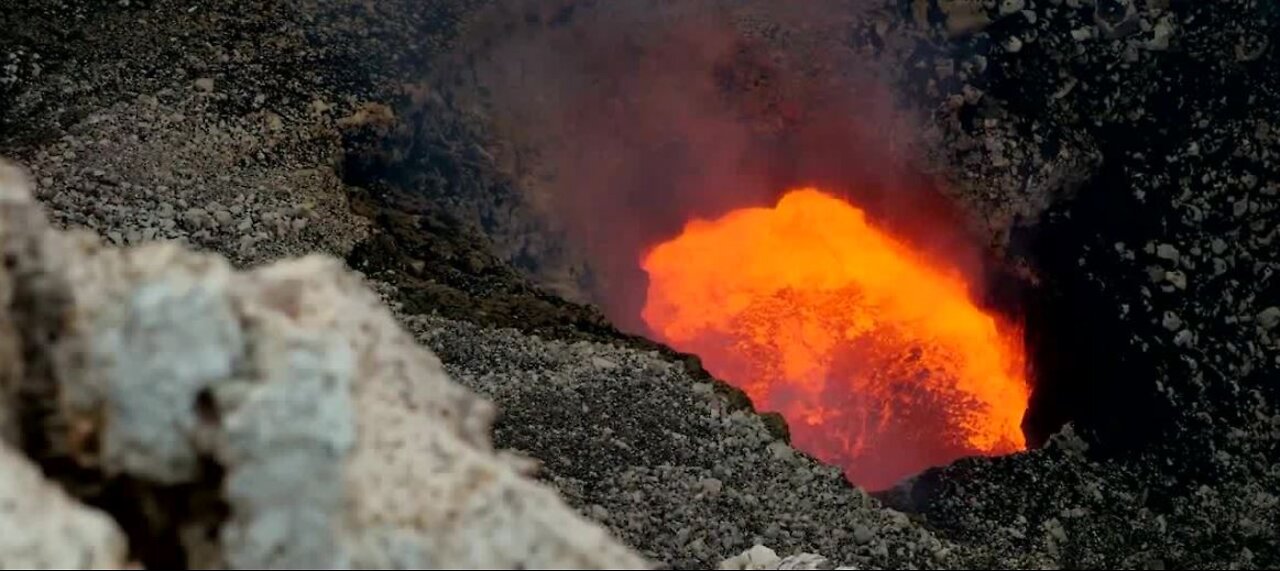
(878, 358)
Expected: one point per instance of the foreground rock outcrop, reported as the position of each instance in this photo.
(41, 528)
(276, 418)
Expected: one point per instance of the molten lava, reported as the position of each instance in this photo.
(879, 359)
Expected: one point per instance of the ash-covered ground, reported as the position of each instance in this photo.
(1118, 154)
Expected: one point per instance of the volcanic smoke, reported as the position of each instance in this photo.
(630, 118)
(878, 358)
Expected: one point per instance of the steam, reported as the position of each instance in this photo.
(628, 118)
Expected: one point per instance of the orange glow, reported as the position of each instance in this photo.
(879, 359)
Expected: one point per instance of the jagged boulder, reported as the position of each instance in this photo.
(273, 418)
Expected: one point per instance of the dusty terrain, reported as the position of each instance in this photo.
(1121, 151)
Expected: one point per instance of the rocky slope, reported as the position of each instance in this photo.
(1119, 152)
(632, 439)
(1161, 271)
(278, 418)
(152, 119)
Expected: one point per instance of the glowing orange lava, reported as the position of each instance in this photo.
(879, 360)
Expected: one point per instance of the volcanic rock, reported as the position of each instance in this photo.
(1269, 318)
(761, 557)
(1009, 7)
(965, 17)
(1162, 179)
(758, 557)
(1163, 136)
(42, 528)
(655, 463)
(287, 393)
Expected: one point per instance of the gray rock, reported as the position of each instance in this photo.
(1240, 207)
(223, 217)
(1269, 318)
(196, 217)
(1010, 7)
(1184, 338)
(863, 534)
(711, 486)
(657, 410)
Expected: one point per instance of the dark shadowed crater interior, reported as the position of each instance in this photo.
(1083, 367)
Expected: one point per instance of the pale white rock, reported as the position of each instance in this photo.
(805, 561)
(761, 557)
(758, 557)
(41, 527)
